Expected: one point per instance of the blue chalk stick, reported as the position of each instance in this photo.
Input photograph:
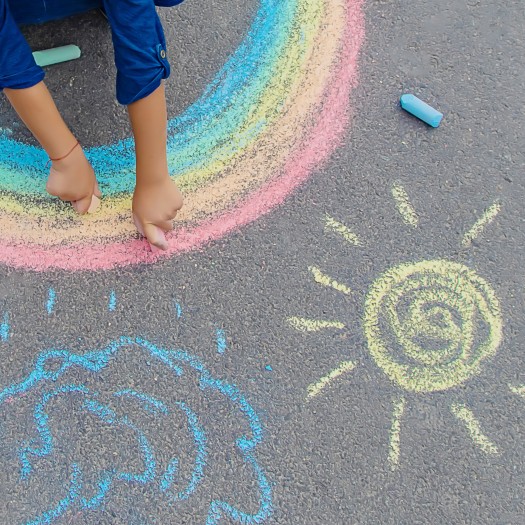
(421, 110)
(47, 57)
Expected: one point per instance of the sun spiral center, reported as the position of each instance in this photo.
(430, 324)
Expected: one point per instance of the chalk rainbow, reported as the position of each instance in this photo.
(275, 111)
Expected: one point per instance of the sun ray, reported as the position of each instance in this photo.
(466, 416)
(313, 325)
(325, 280)
(345, 232)
(404, 206)
(395, 433)
(315, 388)
(518, 390)
(488, 216)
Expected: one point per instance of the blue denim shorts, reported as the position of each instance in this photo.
(138, 39)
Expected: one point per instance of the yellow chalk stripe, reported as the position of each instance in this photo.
(519, 390)
(338, 227)
(313, 325)
(404, 206)
(465, 415)
(48, 206)
(325, 280)
(315, 388)
(395, 433)
(474, 232)
(280, 90)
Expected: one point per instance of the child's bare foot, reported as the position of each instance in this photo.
(73, 179)
(155, 205)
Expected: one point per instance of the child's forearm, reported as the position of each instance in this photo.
(21, 80)
(156, 199)
(148, 118)
(39, 113)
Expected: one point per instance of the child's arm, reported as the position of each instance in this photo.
(156, 199)
(21, 79)
(71, 179)
(37, 110)
(140, 57)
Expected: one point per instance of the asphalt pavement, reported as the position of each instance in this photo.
(350, 355)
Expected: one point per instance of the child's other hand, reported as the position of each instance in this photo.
(155, 205)
(73, 179)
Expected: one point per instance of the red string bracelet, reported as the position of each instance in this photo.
(67, 154)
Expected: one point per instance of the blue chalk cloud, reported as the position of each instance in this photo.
(44, 385)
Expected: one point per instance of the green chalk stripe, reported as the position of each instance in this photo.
(56, 55)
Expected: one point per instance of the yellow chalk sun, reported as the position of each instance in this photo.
(429, 325)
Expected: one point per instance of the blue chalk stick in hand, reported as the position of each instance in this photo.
(421, 110)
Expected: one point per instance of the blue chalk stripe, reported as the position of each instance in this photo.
(221, 341)
(112, 301)
(167, 480)
(51, 297)
(4, 328)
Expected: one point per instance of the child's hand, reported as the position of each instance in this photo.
(73, 179)
(155, 205)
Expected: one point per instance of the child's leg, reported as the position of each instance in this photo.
(21, 79)
(140, 57)
(72, 178)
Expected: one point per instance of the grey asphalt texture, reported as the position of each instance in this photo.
(326, 459)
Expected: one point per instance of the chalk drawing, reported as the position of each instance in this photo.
(325, 280)
(274, 112)
(343, 368)
(148, 403)
(313, 325)
(49, 380)
(429, 326)
(112, 303)
(488, 216)
(167, 480)
(4, 328)
(221, 340)
(422, 321)
(518, 390)
(395, 433)
(51, 298)
(178, 309)
(404, 206)
(338, 227)
(465, 415)
(53, 514)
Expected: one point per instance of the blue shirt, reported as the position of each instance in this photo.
(138, 39)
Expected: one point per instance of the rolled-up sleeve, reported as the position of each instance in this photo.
(18, 69)
(140, 48)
